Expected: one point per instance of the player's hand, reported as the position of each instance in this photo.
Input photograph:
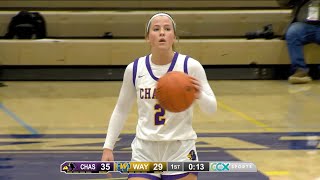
(107, 155)
(196, 85)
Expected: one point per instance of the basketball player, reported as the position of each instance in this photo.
(161, 136)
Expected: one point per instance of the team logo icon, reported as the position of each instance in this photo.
(69, 168)
(123, 167)
(192, 155)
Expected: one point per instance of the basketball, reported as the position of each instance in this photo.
(175, 91)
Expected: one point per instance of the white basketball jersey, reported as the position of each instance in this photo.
(155, 123)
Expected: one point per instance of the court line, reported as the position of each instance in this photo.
(277, 173)
(290, 138)
(244, 116)
(17, 119)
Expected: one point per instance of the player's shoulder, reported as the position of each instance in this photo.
(191, 61)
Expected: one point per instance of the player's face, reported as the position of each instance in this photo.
(161, 33)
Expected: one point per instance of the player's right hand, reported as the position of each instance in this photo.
(107, 155)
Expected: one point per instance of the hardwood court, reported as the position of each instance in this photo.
(270, 123)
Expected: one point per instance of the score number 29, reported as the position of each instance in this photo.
(157, 167)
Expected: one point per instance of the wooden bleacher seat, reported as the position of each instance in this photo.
(122, 52)
(139, 4)
(212, 33)
(131, 24)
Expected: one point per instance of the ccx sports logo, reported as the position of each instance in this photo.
(219, 166)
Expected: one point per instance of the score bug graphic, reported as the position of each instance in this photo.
(86, 167)
(125, 167)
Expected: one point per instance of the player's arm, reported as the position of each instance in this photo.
(125, 101)
(206, 100)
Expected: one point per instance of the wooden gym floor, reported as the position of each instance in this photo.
(270, 123)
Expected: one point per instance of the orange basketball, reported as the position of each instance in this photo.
(175, 91)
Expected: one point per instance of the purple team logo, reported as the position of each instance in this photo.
(192, 155)
(69, 168)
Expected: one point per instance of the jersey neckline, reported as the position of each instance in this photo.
(173, 62)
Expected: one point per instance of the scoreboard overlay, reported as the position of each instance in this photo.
(126, 167)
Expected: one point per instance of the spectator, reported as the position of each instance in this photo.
(304, 29)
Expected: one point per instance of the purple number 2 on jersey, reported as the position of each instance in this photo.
(159, 118)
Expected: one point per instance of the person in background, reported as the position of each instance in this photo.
(303, 29)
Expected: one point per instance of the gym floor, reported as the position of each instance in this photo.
(273, 124)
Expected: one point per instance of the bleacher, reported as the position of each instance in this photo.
(210, 31)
